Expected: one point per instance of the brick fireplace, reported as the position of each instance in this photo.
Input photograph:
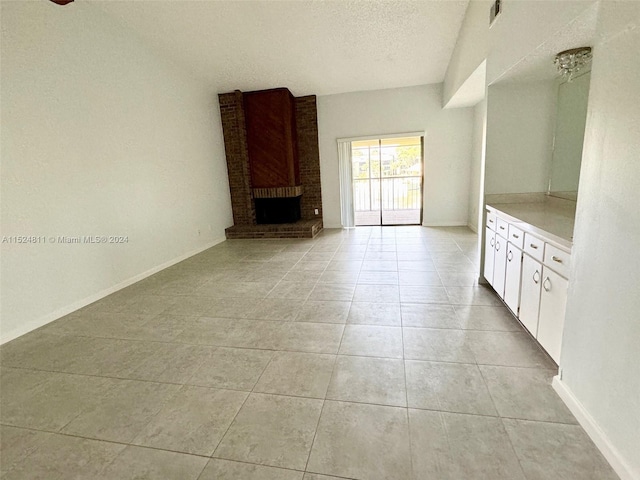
(271, 146)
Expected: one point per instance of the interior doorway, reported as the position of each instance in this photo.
(387, 181)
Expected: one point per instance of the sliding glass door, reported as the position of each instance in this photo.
(387, 181)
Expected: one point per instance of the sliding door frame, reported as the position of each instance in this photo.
(421, 135)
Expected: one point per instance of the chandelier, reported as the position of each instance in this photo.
(570, 62)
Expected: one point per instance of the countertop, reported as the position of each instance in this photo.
(553, 218)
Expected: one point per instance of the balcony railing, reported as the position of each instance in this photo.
(397, 193)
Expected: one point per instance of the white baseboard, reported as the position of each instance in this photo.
(431, 224)
(444, 224)
(61, 312)
(594, 431)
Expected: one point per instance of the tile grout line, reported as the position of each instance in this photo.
(406, 390)
(324, 400)
(352, 402)
(513, 448)
(125, 444)
(229, 426)
(217, 347)
(253, 391)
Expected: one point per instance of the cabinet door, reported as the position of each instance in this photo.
(530, 294)
(500, 265)
(512, 277)
(489, 254)
(553, 302)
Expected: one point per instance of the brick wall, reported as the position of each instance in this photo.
(237, 153)
(309, 155)
(235, 147)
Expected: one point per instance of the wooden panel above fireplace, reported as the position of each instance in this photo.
(271, 138)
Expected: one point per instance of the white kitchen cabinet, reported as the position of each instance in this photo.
(553, 302)
(500, 265)
(512, 277)
(529, 271)
(530, 294)
(489, 254)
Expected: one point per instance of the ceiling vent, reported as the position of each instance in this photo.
(496, 8)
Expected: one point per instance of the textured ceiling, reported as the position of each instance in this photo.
(312, 47)
(538, 66)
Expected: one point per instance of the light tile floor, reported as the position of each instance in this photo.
(368, 354)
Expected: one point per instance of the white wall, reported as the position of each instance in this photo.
(520, 126)
(471, 48)
(99, 137)
(600, 352)
(476, 178)
(448, 143)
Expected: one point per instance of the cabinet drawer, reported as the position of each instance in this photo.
(503, 228)
(557, 260)
(491, 221)
(516, 236)
(534, 246)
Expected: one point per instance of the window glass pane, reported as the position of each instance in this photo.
(374, 158)
(401, 157)
(360, 162)
(400, 161)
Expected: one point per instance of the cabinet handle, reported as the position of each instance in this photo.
(492, 242)
(497, 246)
(534, 277)
(516, 236)
(501, 227)
(535, 247)
(490, 221)
(545, 283)
(510, 255)
(556, 259)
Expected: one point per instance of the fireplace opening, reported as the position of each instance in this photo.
(277, 210)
